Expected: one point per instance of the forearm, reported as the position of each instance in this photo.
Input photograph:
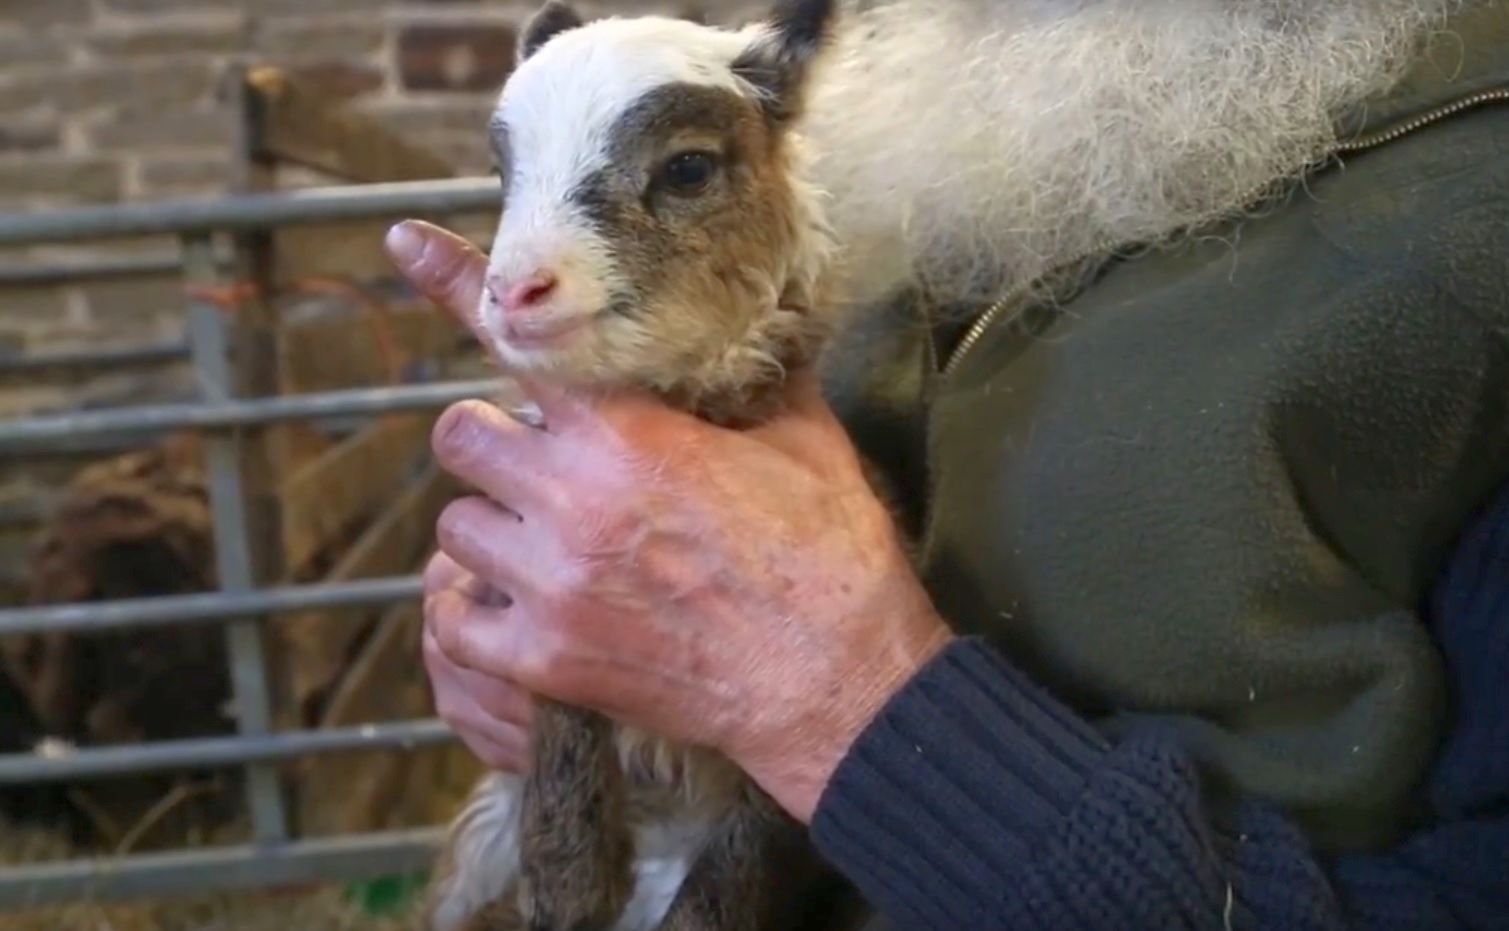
(978, 801)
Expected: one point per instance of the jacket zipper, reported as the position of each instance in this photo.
(978, 329)
(993, 313)
(1389, 134)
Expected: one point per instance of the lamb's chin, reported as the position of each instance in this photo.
(583, 364)
(544, 363)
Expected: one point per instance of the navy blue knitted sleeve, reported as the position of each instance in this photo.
(976, 801)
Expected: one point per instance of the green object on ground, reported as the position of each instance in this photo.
(387, 895)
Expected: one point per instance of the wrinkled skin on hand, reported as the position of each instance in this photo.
(743, 590)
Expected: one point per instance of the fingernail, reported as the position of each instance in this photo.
(463, 431)
(455, 431)
(405, 242)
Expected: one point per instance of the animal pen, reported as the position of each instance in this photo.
(359, 508)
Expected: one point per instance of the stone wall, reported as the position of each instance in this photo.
(116, 100)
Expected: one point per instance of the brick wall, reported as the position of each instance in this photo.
(110, 100)
(107, 99)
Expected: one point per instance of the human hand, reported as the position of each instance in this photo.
(743, 590)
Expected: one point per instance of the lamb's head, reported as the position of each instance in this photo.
(655, 230)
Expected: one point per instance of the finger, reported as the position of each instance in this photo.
(442, 611)
(498, 699)
(631, 422)
(495, 454)
(469, 635)
(562, 407)
(804, 392)
(807, 429)
(491, 542)
(499, 744)
(444, 267)
(558, 405)
(509, 645)
(484, 702)
(542, 658)
(442, 572)
(505, 756)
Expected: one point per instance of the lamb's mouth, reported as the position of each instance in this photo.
(546, 332)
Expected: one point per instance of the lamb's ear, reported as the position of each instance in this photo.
(552, 19)
(780, 62)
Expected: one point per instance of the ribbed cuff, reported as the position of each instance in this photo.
(949, 787)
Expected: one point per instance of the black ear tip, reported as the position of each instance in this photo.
(557, 9)
(803, 22)
(779, 64)
(555, 17)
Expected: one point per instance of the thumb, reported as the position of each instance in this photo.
(624, 411)
(442, 266)
(807, 425)
(804, 392)
(558, 405)
(805, 402)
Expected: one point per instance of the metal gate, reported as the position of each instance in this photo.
(273, 856)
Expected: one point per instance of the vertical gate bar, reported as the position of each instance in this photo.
(256, 373)
(209, 348)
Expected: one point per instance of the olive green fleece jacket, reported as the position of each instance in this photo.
(1214, 484)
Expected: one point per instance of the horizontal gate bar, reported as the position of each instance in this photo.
(91, 616)
(206, 870)
(99, 444)
(93, 762)
(93, 359)
(40, 272)
(245, 212)
(25, 435)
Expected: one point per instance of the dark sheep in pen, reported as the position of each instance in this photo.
(132, 526)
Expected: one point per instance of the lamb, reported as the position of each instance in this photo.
(657, 233)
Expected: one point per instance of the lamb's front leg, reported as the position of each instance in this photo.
(575, 840)
(750, 875)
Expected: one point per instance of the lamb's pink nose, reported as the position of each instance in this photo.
(523, 295)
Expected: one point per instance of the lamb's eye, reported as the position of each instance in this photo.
(688, 172)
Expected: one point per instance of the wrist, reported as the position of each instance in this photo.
(797, 772)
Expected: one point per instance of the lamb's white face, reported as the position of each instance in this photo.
(649, 220)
